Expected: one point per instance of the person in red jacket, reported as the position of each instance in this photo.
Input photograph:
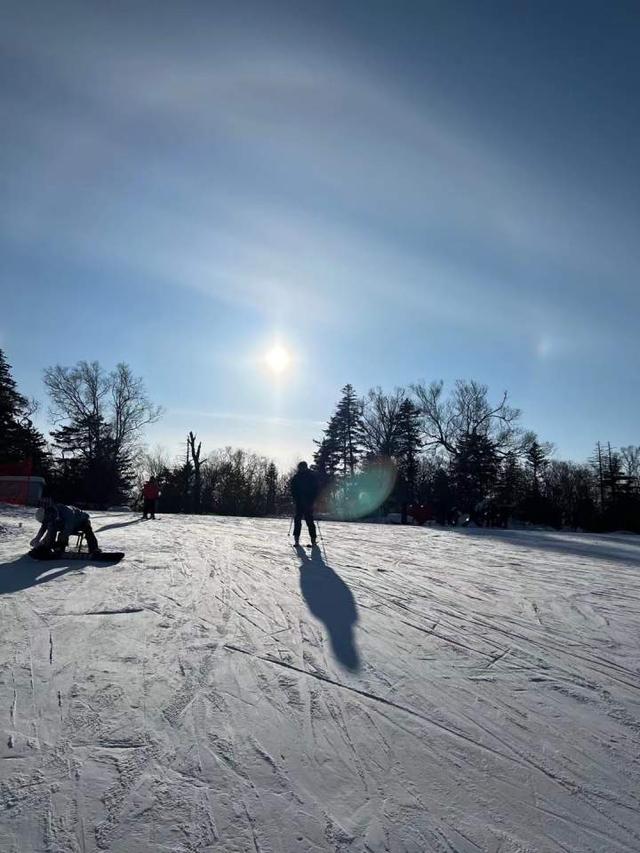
(150, 493)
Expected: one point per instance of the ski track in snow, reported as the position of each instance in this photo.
(412, 690)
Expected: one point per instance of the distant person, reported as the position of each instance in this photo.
(304, 490)
(150, 494)
(57, 523)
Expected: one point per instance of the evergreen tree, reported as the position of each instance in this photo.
(511, 481)
(536, 456)
(443, 494)
(326, 459)
(409, 444)
(475, 470)
(91, 470)
(340, 448)
(19, 439)
(348, 427)
(12, 404)
(171, 483)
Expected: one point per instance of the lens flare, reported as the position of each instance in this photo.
(363, 493)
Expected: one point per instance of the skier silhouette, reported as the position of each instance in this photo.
(304, 490)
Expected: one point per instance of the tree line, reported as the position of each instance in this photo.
(461, 455)
(95, 456)
(457, 454)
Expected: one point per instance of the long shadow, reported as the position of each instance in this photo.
(601, 546)
(25, 572)
(121, 524)
(329, 599)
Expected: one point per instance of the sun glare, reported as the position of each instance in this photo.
(277, 359)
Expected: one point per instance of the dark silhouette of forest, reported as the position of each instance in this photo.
(459, 456)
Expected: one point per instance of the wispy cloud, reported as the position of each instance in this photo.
(276, 180)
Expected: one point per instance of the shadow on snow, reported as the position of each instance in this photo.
(329, 599)
(25, 572)
(622, 548)
(120, 524)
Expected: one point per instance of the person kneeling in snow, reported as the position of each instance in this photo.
(57, 523)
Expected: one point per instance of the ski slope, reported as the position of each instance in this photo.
(409, 690)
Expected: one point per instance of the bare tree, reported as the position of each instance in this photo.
(150, 463)
(76, 393)
(238, 482)
(86, 394)
(630, 457)
(382, 421)
(130, 408)
(197, 465)
(104, 414)
(450, 422)
(155, 461)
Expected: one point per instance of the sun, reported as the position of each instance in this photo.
(277, 359)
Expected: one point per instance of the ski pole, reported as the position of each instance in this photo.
(290, 526)
(321, 540)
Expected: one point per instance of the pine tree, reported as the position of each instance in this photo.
(325, 458)
(409, 447)
(443, 494)
(12, 404)
(19, 439)
(92, 470)
(475, 470)
(349, 429)
(536, 457)
(340, 448)
(510, 488)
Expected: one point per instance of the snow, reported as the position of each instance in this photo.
(412, 690)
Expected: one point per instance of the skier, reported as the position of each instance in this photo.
(304, 490)
(150, 493)
(57, 523)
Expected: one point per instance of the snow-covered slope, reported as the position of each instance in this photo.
(409, 690)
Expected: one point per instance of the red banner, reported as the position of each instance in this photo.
(17, 469)
(14, 481)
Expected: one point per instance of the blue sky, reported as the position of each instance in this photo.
(396, 191)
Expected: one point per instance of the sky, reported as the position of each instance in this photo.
(395, 192)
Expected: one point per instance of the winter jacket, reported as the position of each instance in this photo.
(150, 491)
(69, 519)
(304, 488)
